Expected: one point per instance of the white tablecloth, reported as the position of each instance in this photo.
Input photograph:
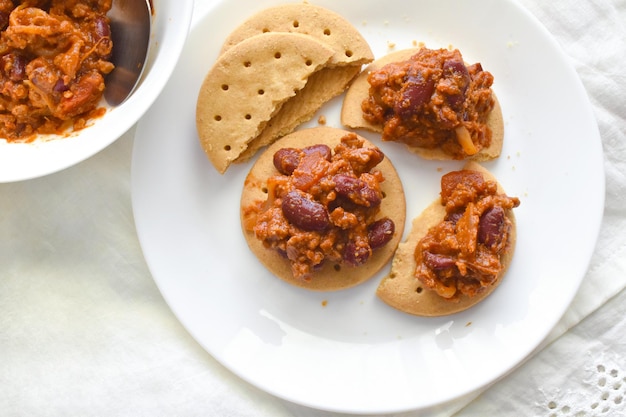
(85, 332)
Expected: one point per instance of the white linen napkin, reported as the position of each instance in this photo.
(584, 372)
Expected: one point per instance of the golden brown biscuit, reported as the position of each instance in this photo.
(325, 25)
(352, 115)
(247, 86)
(351, 51)
(403, 291)
(331, 276)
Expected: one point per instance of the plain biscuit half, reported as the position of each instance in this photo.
(248, 85)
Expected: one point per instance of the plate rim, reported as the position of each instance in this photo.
(554, 320)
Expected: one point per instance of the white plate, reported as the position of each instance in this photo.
(347, 351)
(23, 161)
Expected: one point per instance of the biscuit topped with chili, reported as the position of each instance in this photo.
(458, 250)
(323, 209)
(430, 100)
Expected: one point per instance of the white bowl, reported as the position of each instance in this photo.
(170, 26)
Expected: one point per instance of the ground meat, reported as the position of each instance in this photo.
(462, 254)
(54, 56)
(432, 100)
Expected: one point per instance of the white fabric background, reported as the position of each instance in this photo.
(85, 332)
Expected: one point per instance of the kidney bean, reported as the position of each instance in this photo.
(102, 31)
(357, 190)
(286, 160)
(60, 86)
(43, 78)
(355, 255)
(416, 93)
(376, 157)
(380, 232)
(437, 262)
(490, 226)
(4, 20)
(345, 184)
(306, 214)
(17, 69)
(456, 68)
(102, 28)
(323, 150)
(454, 216)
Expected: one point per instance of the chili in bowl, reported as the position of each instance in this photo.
(55, 57)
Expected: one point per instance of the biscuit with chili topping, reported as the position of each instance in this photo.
(247, 86)
(418, 290)
(336, 246)
(455, 141)
(351, 51)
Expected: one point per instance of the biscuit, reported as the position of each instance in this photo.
(352, 115)
(330, 277)
(351, 51)
(402, 290)
(325, 25)
(247, 86)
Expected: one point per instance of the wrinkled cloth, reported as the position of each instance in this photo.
(84, 330)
